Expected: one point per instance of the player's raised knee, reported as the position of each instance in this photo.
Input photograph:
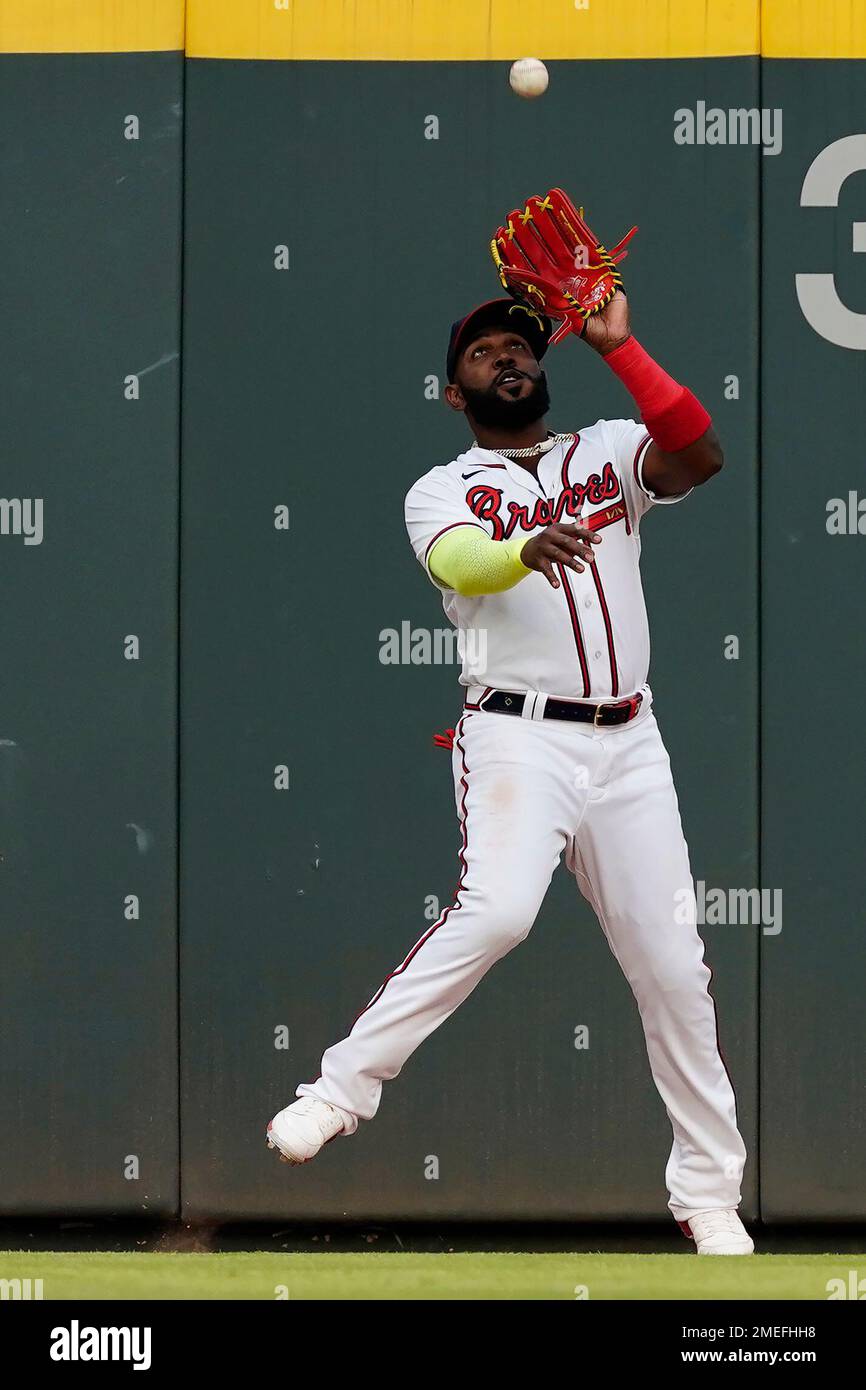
(509, 921)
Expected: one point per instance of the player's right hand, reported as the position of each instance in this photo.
(559, 545)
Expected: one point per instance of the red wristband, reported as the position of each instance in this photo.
(673, 416)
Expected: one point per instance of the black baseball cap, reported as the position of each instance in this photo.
(500, 313)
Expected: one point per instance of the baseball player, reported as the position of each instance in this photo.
(533, 537)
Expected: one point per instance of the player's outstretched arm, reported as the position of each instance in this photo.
(468, 561)
(685, 451)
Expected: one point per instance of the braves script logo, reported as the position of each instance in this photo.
(486, 501)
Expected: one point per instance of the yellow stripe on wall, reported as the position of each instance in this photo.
(470, 29)
(813, 28)
(91, 26)
(459, 30)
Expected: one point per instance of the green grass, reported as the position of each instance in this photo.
(419, 1276)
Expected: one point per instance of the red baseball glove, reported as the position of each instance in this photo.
(549, 259)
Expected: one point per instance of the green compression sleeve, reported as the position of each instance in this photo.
(468, 561)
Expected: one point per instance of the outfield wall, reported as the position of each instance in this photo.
(238, 302)
(90, 203)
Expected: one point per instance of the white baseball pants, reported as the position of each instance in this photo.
(528, 791)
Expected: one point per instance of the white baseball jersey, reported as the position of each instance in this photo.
(589, 639)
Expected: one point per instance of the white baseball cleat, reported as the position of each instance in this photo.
(302, 1129)
(720, 1232)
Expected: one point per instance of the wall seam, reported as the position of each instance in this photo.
(178, 723)
(759, 542)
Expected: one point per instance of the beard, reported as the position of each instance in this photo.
(493, 411)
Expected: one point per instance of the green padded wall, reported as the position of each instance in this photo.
(813, 1029)
(88, 726)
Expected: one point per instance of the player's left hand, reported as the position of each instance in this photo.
(609, 328)
(550, 259)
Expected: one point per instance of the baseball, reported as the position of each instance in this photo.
(528, 77)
